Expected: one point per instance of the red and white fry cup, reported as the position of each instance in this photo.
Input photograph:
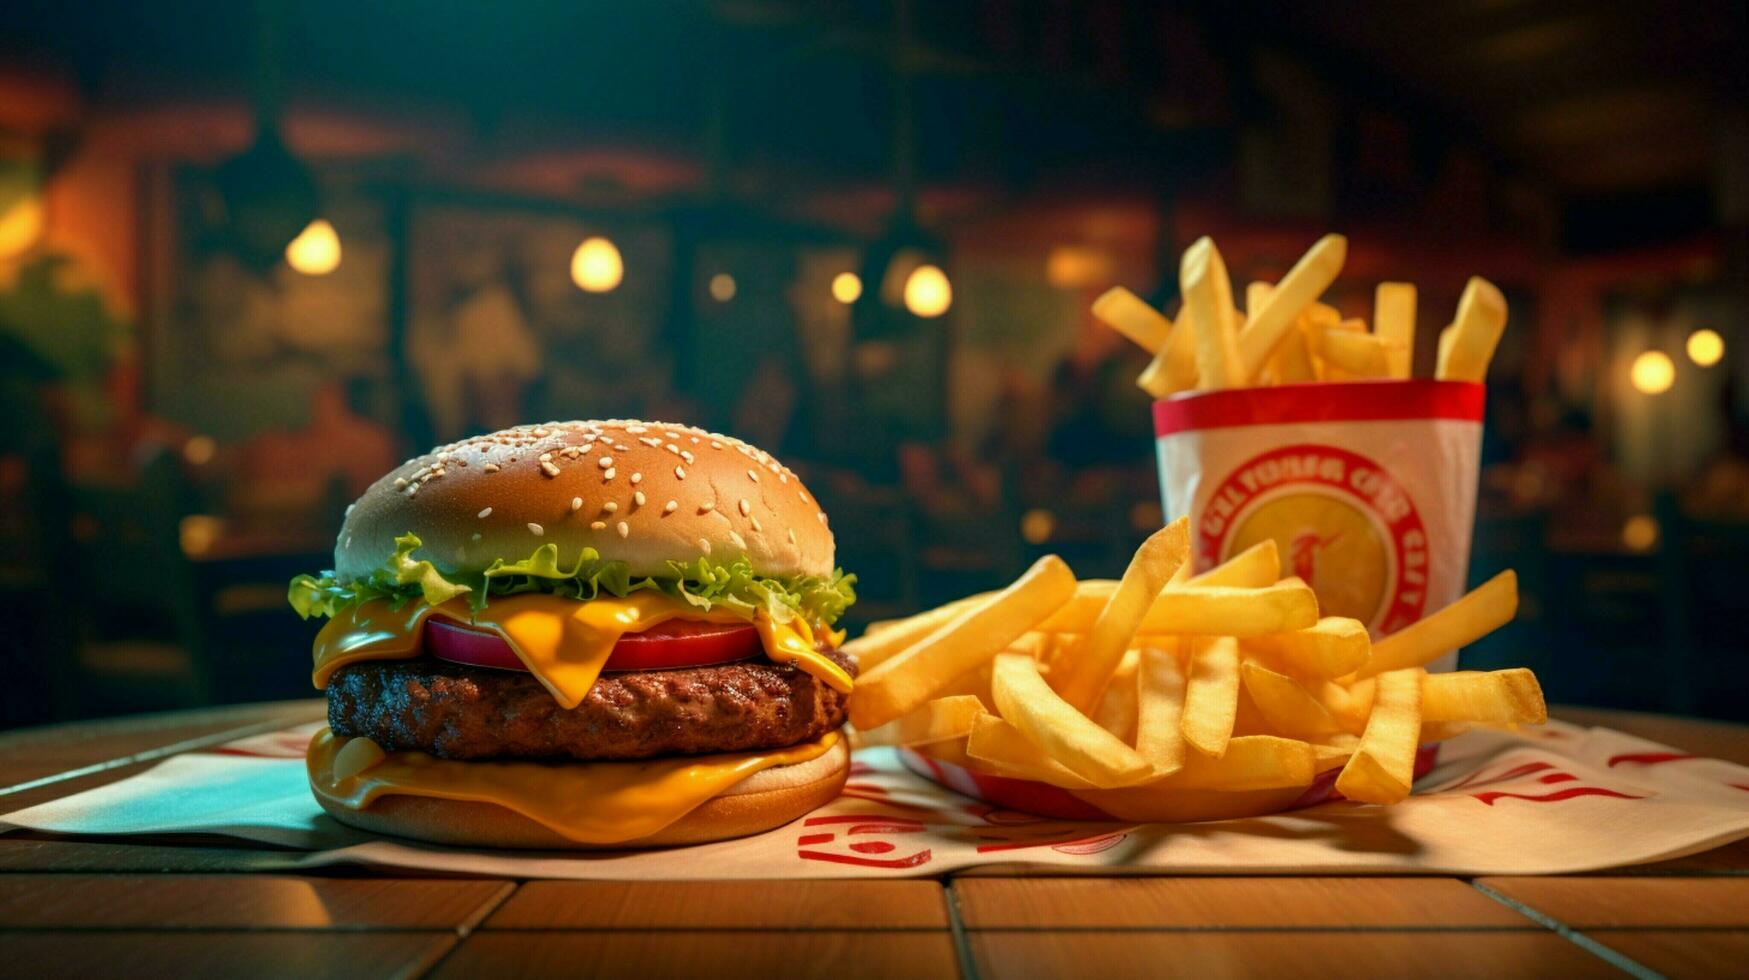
(1367, 487)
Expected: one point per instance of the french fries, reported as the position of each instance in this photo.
(1154, 564)
(1224, 683)
(1465, 621)
(903, 682)
(1393, 318)
(1303, 284)
(1475, 332)
(1208, 299)
(1129, 315)
(1211, 694)
(1500, 697)
(1383, 765)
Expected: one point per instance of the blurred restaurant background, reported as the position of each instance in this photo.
(253, 254)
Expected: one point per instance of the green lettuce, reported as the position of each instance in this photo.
(701, 583)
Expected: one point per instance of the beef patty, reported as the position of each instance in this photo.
(459, 712)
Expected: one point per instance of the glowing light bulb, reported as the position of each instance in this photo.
(316, 250)
(1640, 532)
(722, 287)
(596, 266)
(846, 287)
(927, 291)
(1705, 347)
(1652, 373)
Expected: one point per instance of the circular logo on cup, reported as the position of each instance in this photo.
(1342, 523)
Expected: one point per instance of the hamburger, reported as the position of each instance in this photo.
(581, 634)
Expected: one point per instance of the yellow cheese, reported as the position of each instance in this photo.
(590, 802)
(563, 642)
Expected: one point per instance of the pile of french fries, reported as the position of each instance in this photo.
(1167, 683)
(1286, 336)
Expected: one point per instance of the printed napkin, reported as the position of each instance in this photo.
(1553, 800)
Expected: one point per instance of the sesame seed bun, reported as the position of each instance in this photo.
(645, 493)
(763, 801)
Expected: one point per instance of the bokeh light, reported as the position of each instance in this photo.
(722, 287)
(846, 287)
(316, 250)
(1640, 532)
(21, 226)
(199, 450)
(1653, 373)
(1706, 347)
(596, 266)
(1037, 526)
(927, 291)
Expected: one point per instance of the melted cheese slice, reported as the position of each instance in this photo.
(563, 642)
(591, 802)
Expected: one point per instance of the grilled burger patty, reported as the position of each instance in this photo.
(459, 712)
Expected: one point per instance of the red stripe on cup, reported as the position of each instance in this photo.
(1345, 401)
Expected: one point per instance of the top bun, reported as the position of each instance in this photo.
(644, 493)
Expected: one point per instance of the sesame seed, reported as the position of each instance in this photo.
(549, 469)
(756, 526)
(792, 535)
(540, 433)
(801, 496)
(740, 542)
(822, 516)
(637, 478)
(707, 507)
(400, 482)
(638, 498)
(686, 455)
(484, 513)
(604, 462)
(715, 444)
(475, 537)
(651, 441)
(350, 508)
(610, 507)
(623, 528)
(597, 525)
(609, 474)
(746, 508)
(349, 540)
(672, 448)
(679, 473)
(753, 476)
(536, 530)
(576, 503)
(546, 457)
(669, 507)
(490, 467)
(704, 545)
(695, 440)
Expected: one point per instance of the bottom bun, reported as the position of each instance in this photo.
(765, 800)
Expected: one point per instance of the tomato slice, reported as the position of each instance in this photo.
(667, 645)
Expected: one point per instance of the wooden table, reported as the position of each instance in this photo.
(187, 907)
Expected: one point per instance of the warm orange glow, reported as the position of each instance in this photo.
(316, 250)
(1706, 347)
(846, 287)
(199, 450)
(596, 266)
(1640, 532)
(927, 291)
(1037, 526)
(1078, 267)
(722, 287)
(198, 532)
(20, 226)
(1653, 373)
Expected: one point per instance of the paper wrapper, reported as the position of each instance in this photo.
(1560, 799)
(1368, 488)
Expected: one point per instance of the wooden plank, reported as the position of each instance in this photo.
(1717, 739)
(257, 955)
(28, 851)
(1686, 953)
(1198, 903)
(838, 955)
(1642, 902)
(1351, 955)
(724, 905)
(242, 902)
(36, 753)
(1727, 860)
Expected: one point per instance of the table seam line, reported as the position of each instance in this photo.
(962, 946)
(1615, 958)
(477, 918)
